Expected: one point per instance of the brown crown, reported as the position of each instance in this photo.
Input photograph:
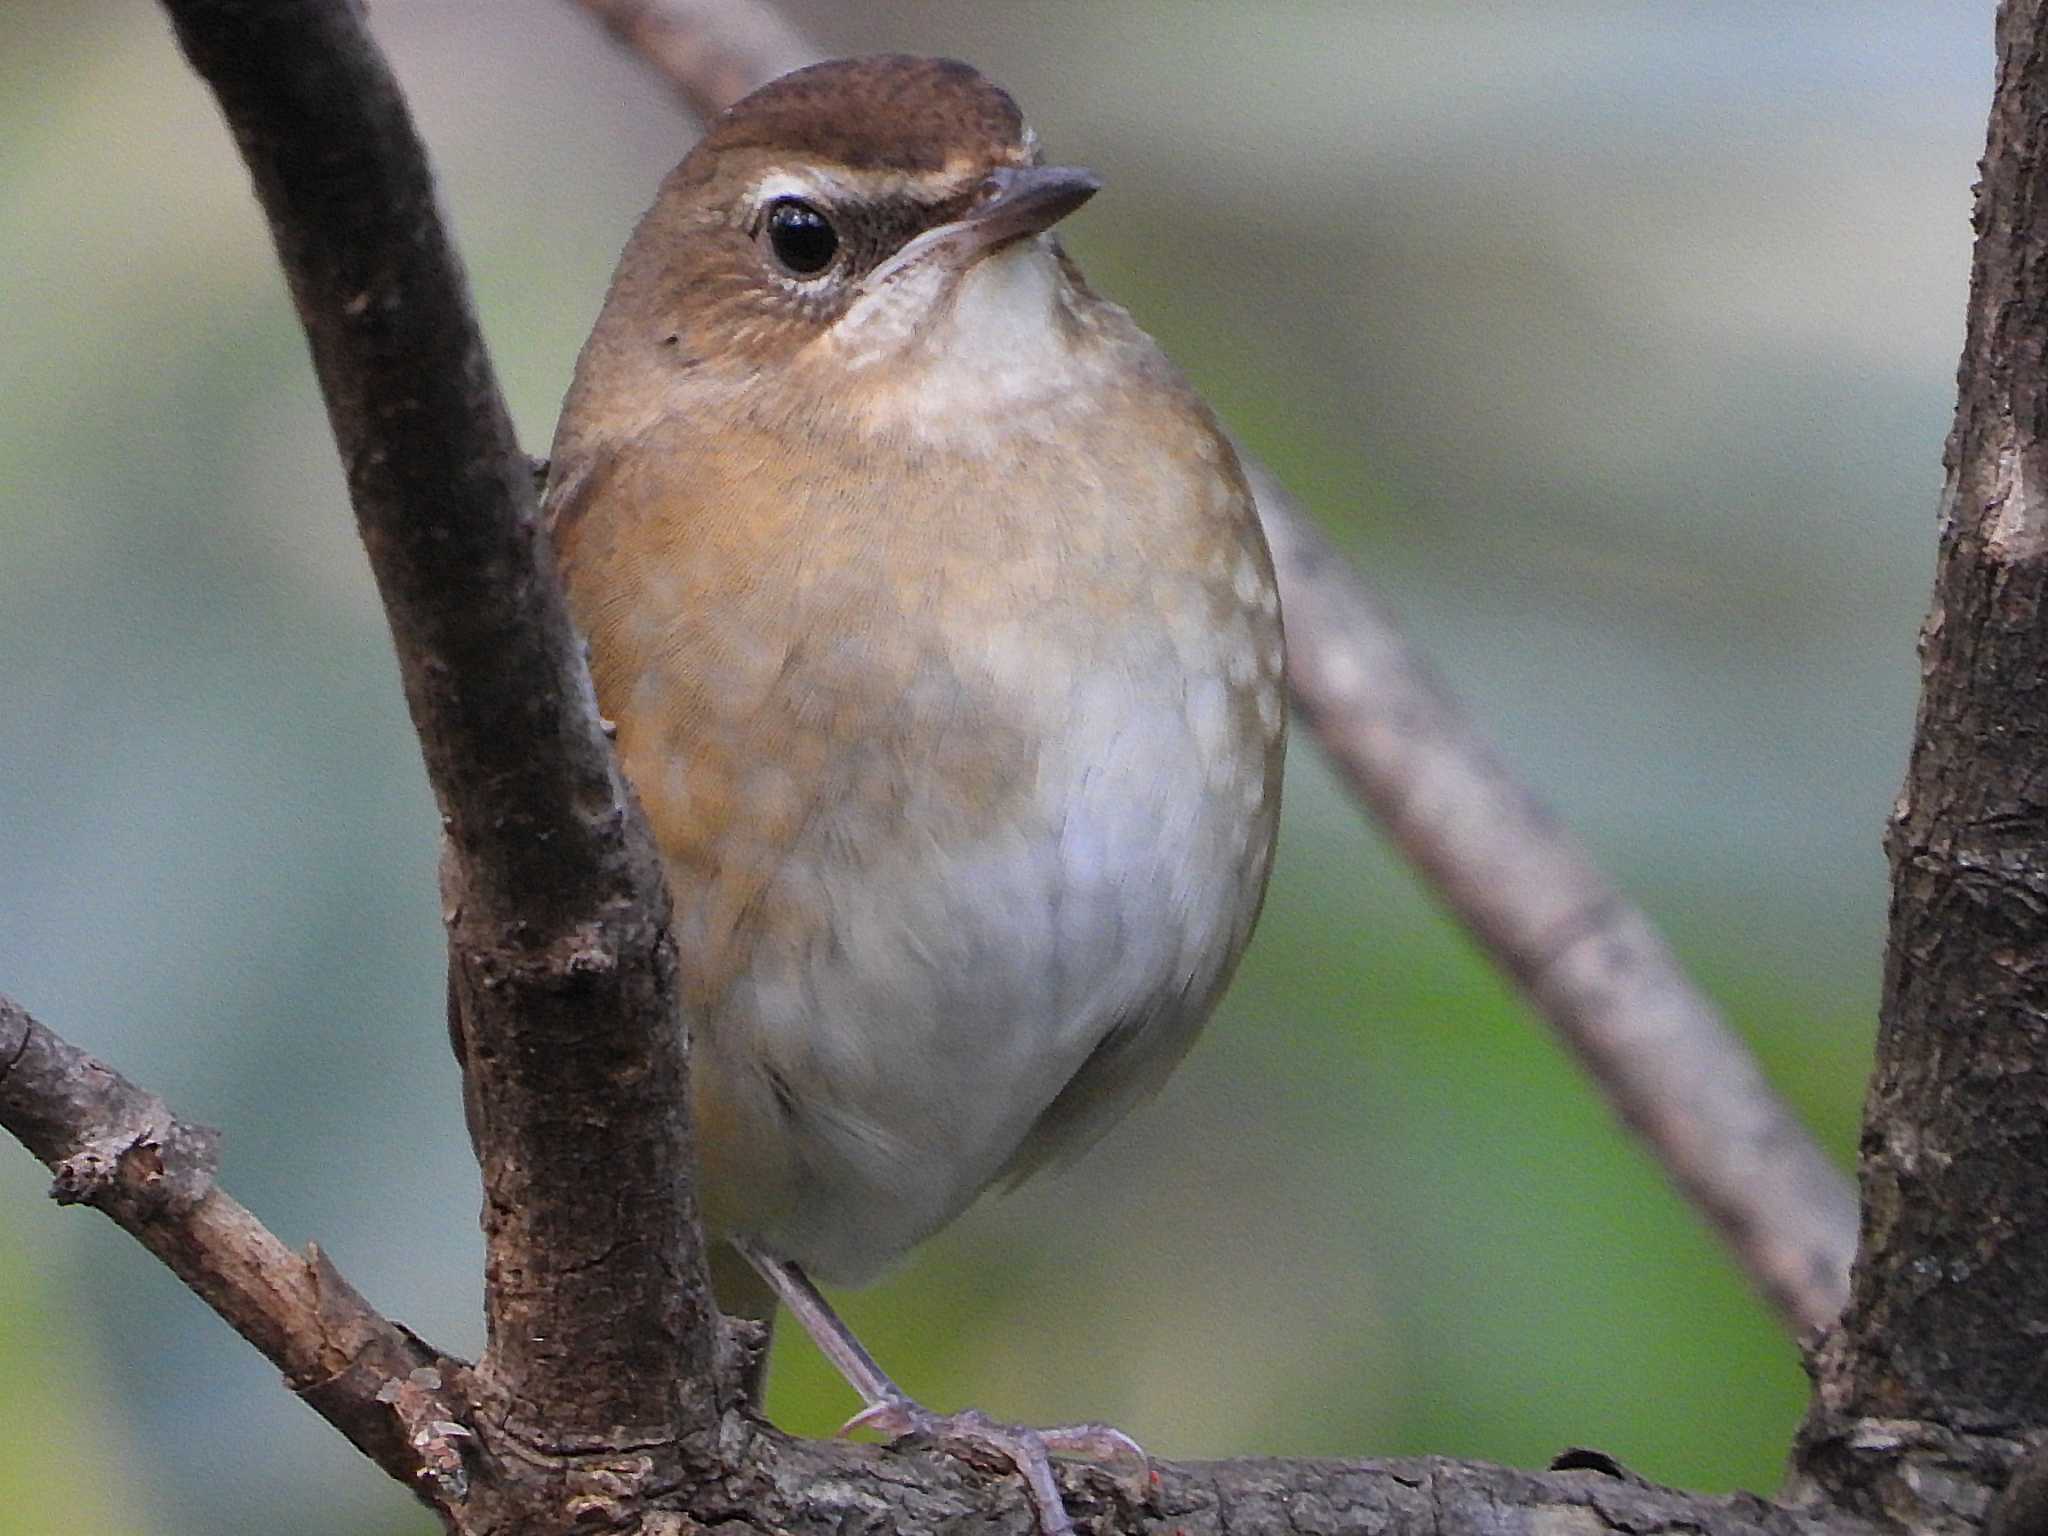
(892, 110)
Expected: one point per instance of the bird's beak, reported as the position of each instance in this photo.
(1017, 201)
(1014, 203)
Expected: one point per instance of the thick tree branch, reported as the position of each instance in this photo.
(120, 1150)
(1936, 1381)
(598, 1406)
(821, 1487)
(557, 915)
(1587, 957)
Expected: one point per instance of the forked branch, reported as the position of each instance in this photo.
(600, 1406)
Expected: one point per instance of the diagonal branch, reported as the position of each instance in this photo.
(120, 1150)
(1587, 957)
(713, 51)
(557, 916)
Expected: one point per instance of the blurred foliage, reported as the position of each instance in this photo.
(1615, 341)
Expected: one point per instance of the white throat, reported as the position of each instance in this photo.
(946, 354)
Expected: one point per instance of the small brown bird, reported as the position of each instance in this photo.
(932, 609)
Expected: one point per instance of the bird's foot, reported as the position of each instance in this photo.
(1030, 1451)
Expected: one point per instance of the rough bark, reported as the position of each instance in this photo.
(437, 1426)
(1936, 1380)
(119, 1149)
(600, 1403)
(599, 1320)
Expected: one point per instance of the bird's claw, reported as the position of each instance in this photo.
(1030, 1451)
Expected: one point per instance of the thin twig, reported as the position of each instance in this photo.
(1588, 958)
(120, 1150)
(713, 51)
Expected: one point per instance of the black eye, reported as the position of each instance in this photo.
(801, 237)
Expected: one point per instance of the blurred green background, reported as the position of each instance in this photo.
(1615, 341)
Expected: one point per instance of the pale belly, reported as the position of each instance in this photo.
(956, 970)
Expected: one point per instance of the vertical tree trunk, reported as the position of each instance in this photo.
(1938, 1373)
